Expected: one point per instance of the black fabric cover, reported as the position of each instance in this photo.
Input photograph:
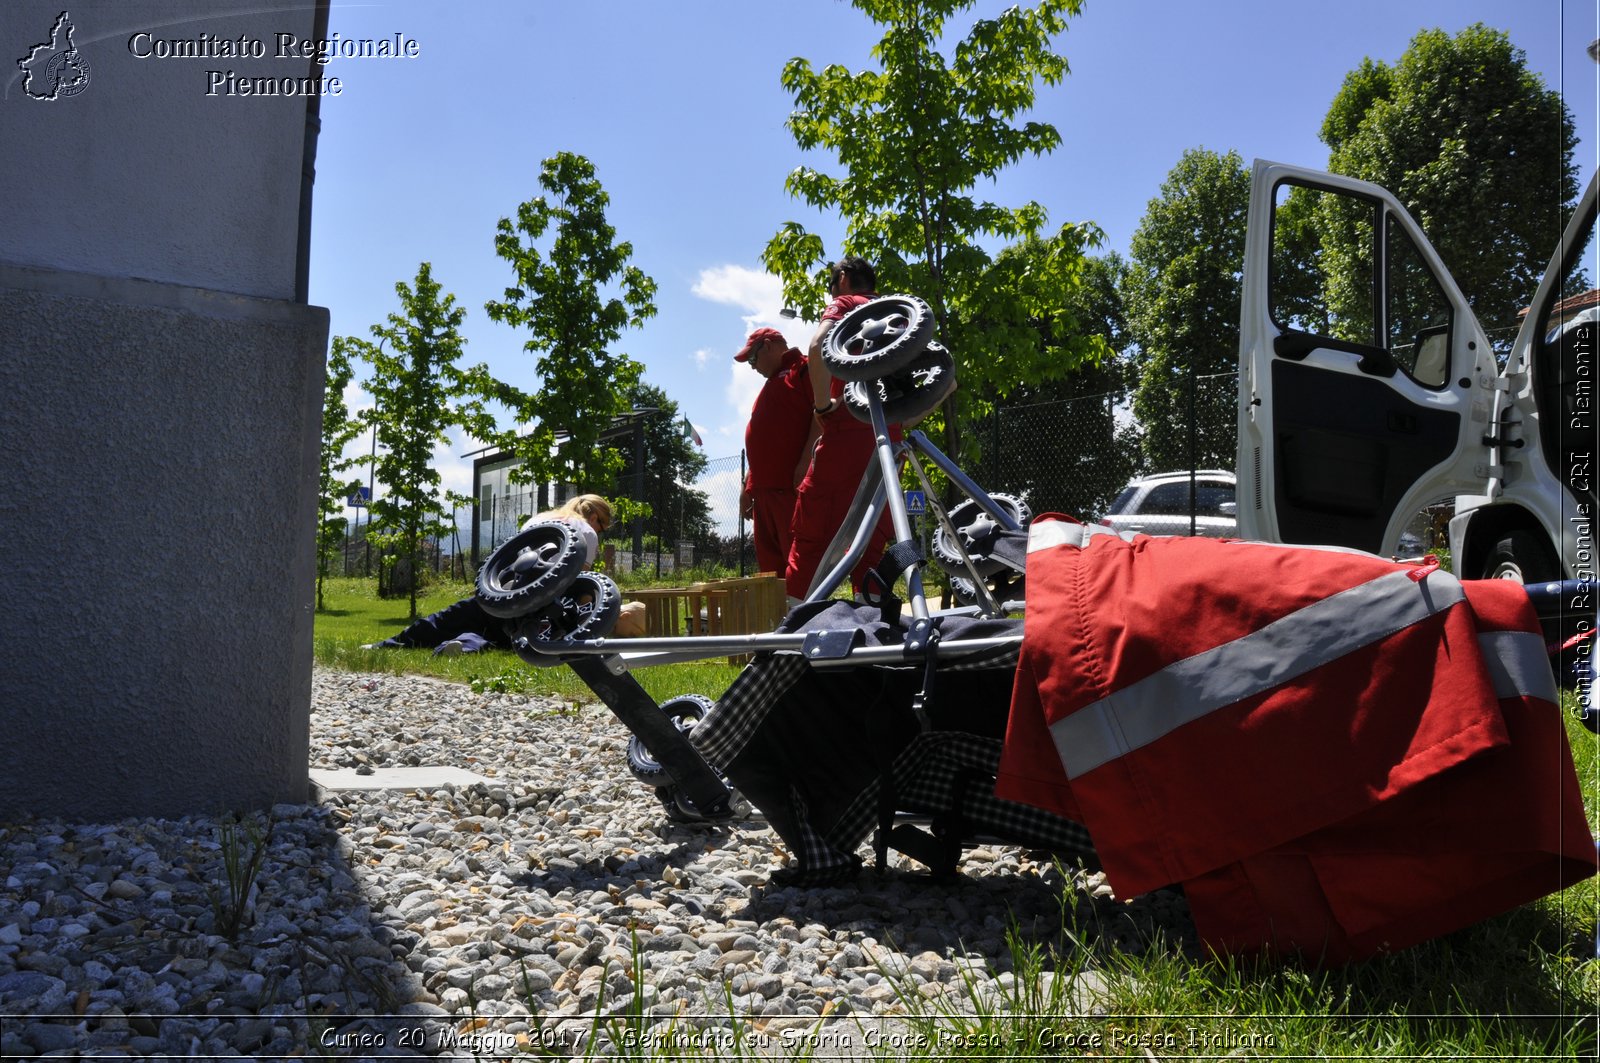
(810, 747)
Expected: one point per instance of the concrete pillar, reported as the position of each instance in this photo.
(162, 393)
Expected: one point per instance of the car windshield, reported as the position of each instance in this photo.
(1122, 501)
(1212, 497)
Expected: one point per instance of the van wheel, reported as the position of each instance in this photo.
(1526, 557)
(1522, 556)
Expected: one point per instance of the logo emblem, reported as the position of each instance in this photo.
(55, 69)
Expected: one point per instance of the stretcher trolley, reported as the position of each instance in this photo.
(1333, 753)
(848, 719)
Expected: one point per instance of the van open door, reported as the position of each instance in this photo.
(1361, 367)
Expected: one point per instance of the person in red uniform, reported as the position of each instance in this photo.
(777, 443)
(843, 449)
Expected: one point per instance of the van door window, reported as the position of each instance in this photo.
(1417, 312)
(1168, 500)
(1211, 496)
(1346, 275)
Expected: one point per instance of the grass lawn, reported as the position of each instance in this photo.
(1525, 985)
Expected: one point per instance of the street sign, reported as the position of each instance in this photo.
(916, 503)
(359, 497)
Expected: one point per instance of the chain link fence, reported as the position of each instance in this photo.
(1072, 456)
(1076, 455)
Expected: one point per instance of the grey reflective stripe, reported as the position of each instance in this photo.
(1519, 664)
(1187, 690)
(1045, 534)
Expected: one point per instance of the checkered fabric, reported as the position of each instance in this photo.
(722, 734)
(802, 740)
(725, 731)
(927, 775)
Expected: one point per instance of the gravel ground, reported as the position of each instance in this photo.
(492, 918)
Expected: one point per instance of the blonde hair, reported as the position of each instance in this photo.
(588, 508)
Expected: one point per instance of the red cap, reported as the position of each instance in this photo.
(759, 336)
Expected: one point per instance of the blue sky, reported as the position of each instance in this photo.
(680, 108)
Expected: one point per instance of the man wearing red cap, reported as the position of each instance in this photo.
(843, 449)
(777, 443)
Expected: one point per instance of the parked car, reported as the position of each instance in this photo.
(1159, 505)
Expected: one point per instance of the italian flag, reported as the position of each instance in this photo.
(690, 433)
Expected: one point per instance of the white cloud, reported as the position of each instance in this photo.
(722, 491)
(758, 296)
(743, 385)
(749, 289)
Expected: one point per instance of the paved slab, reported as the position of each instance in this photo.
(328, 780)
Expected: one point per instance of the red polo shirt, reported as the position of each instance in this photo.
(779, 422)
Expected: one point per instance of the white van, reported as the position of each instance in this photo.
(1349, 425)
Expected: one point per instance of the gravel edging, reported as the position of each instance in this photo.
(552, 894)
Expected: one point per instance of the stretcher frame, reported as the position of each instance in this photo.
(604, 664)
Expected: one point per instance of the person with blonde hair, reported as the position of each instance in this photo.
(589, 515)
(465, 628)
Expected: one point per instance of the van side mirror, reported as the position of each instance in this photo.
(1433, 356)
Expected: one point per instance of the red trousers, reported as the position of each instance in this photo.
(772, 516)
(837, 467)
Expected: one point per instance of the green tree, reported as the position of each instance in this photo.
(1478, 150)
(1182, 297)
(1068, 444)
(575, 297)
(672, 463)
(913, 140)
(419, 393)
(338, 430)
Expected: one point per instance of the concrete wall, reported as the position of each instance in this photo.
(162, 397)
(142, 173)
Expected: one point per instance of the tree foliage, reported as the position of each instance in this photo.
(419, 393)
(912, 141)
(672, 463)
(1182, 293)
(338, 430)
(1080, 448)
(575, 293)
(1478, 150)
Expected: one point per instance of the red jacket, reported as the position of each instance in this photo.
(1335, 754)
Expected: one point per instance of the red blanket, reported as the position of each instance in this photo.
(1333, 753)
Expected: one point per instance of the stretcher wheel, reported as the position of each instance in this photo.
(977, 530)
(963, 590)
(909, 395)
(586, 609)
(530, 569)
(1002, 588)
(686, 710)
(590, 606)
(877, 338)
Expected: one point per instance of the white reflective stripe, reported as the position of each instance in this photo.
(1044, 534)
(1519, 664)
(1291, 646)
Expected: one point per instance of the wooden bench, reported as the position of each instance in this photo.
(747, 606)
